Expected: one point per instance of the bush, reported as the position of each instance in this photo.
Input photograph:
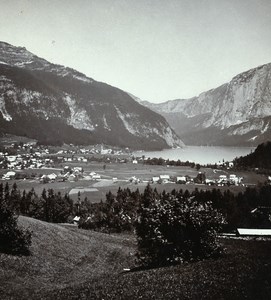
(13, 240)
(171, 230)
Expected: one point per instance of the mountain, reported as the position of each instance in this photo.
(56, 104)
(260, 158)
(236, 113)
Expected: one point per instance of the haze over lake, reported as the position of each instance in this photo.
(199, 154)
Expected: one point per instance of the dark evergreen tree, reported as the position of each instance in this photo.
(24, 206)
(15, 198)
(13, 239)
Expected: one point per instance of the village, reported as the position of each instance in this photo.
(46, 165)
(91, 172)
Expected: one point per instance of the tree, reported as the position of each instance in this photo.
(201, 177)
(13, 240)
(169, 230)
(15, 198)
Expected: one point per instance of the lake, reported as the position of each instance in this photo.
(199, 154)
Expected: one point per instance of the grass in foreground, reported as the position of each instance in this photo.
(68, 263)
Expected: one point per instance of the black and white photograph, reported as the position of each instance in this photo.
(135, 149)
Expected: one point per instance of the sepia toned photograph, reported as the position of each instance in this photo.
(135, 149)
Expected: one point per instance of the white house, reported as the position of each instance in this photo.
(78, 169)
(209, 181)
(181, 179)
(76, 220)
(235, 179)
(155, 179)
(52, 176)
(222, 179)
(164, 178)
(72, 177)
(106, 151)
(134, 179)
(11, 158)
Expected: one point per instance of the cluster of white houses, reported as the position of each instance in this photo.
(31, 156)
(225, 180)
(24, 161)
(200, 178)
(70, 174)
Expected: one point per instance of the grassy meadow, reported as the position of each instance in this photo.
(123, 172)
(70, 263)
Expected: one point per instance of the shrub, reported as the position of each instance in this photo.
(172, 230)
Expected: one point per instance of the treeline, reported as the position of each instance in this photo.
(119, 212)
(166, 162)
(248, 209)
(49, 206)
(116, 214)
(178, 163)
(260, 159)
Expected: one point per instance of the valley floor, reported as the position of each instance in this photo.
(95, 190)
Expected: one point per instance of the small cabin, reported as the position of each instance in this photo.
(164, 178)
(181, 179)
(155, 179)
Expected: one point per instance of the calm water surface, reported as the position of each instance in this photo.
(199, 154)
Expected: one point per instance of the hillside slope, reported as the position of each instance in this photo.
(68, 263)
(260, 158)
(56, 104)
(61, 257)
(236, 113)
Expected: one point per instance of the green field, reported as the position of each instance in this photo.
(124, 171)
(69, 263)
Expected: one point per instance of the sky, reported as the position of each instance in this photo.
(157, 50)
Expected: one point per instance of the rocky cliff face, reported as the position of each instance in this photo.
(53, 103)
(236, 113)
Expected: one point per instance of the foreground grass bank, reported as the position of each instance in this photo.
(68, 263)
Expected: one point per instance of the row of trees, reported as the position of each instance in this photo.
(120, 212)
(239, 209)
(163, 162)
(179, 225)
(49, 206)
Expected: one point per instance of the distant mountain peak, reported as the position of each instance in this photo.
(53, 103)
(235, 113)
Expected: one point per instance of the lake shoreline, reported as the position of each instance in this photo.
(198, 154)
